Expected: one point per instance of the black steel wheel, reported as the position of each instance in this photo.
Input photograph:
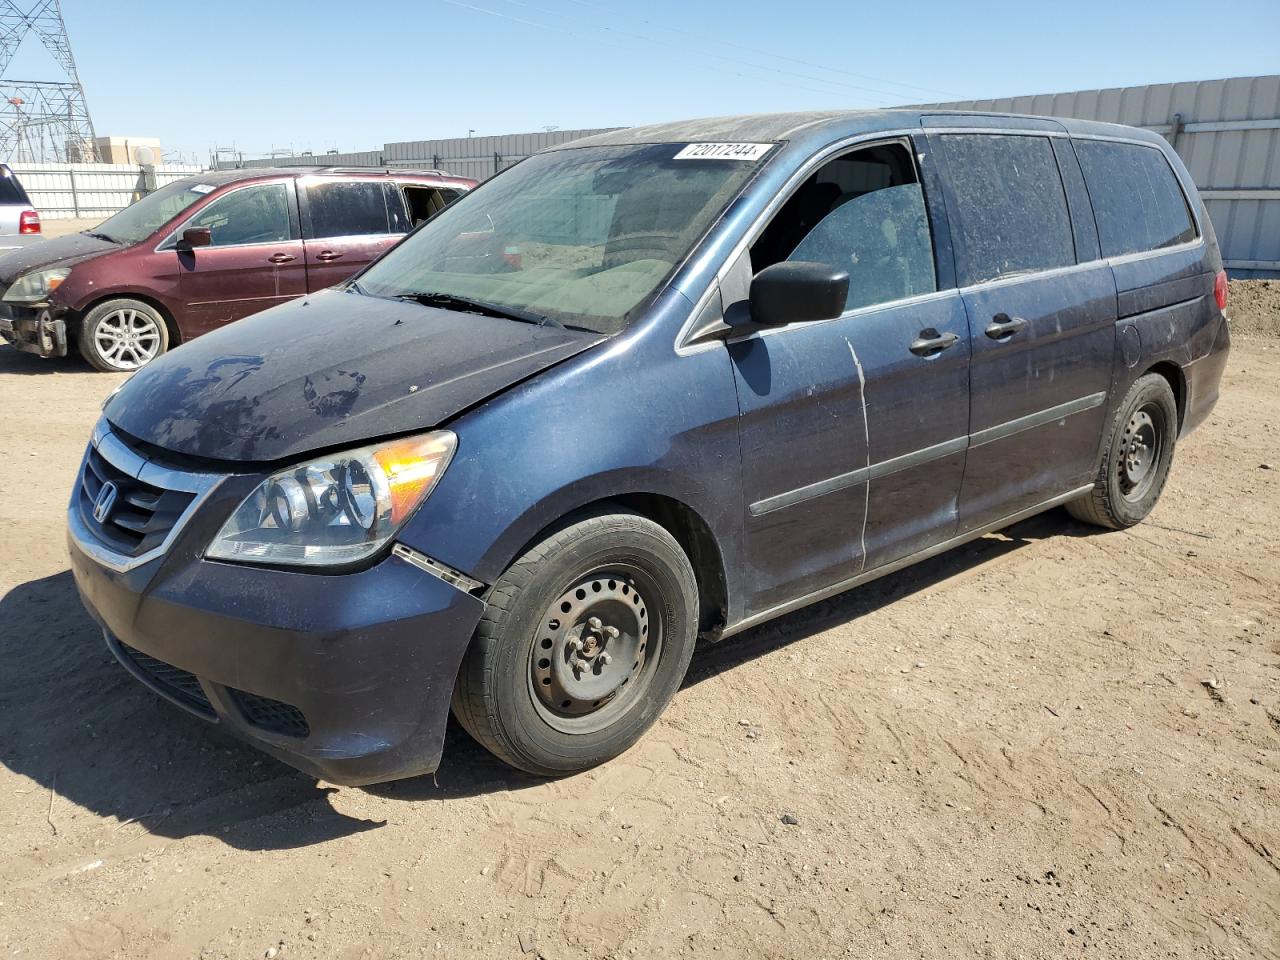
(1136, 458)
(586, 638)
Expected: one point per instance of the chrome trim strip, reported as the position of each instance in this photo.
(436, 568)
(811, 492)
(896, 565)
(113, 450)
(875, 471)
(1038, 419)
(915, 458)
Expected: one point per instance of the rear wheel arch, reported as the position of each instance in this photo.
(1177, 383)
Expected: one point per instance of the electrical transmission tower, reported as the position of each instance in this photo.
(41, 119)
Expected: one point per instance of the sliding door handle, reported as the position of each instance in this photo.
(931, 341)
(324, 256)
(1002, 325)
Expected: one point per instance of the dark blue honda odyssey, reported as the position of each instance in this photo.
(662, 383)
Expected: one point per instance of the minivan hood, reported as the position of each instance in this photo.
(58, 252)
(334, 369)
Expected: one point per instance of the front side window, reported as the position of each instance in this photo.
(581, 235)
(256, 214)
(350, 208)
(863, 213)
(1136, 198)
(1010, 209)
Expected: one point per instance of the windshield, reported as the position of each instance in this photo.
(581, 236)
(141, 219)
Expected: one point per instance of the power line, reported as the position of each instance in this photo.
(766, 53)
(684, 63)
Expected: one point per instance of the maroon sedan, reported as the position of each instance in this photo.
(204, 251)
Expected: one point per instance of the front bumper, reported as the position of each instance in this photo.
(37, 331)
(346, 677)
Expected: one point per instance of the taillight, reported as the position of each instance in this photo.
(29, 222)
(1220, 289)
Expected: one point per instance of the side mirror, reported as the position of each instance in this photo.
(194, 237)
(795, 292)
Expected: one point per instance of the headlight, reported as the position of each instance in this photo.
(35, 287)
(337, 509)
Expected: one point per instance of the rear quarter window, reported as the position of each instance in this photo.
(1010, 210)
(11, 190)
(1136, 198)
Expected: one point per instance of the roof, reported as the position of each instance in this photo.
(218, 177)
(771, 127)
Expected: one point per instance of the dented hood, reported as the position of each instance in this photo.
(334, 369)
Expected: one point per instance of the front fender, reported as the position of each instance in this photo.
(632, 419)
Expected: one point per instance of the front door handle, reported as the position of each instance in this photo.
(324, 256)
(281, 257)
(1002, 325)
(931, 341)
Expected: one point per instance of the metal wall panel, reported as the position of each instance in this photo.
(63, 191)
(1240, 150)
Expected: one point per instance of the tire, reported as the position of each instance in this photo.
(1131, 478)
(518, 692)
(120, 336)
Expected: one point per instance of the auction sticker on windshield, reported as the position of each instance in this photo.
(724, 151)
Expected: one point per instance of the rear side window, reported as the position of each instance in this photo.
(11, 190)
(347, 209)
(1136, 198)
(1010, 210)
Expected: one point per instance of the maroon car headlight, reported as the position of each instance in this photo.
(36, 287)
(337, 509)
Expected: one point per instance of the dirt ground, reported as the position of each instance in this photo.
(1053, 742)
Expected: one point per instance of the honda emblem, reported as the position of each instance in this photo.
(105, 501)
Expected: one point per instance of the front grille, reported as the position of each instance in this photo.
(174, 681)
(272, 715)
(142, 514)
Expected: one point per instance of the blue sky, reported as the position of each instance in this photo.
(320, 74)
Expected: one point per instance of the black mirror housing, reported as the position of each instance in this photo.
(194, 237)
(796, 292)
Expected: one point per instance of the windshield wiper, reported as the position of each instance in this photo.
(101, 236)
(451, 301)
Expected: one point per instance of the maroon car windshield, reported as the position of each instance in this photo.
(139, 220)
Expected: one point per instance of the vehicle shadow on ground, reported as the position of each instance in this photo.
(80, 727)
(467, 769)
(15, 361)
(86, 733)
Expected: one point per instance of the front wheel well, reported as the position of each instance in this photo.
(693, 534)
(175, 335)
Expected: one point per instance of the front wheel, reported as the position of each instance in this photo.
(1136, 461)
(586, 638)
(119, 336)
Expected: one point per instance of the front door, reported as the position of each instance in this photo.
(254, 262)
(853, 430)
(1041, 317)
(346, 225)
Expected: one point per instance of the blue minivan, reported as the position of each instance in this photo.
(659, 384)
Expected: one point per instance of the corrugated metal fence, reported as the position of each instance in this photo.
(62, 191)
(1227, 133)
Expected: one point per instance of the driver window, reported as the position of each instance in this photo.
(864, 213)
(257, 214)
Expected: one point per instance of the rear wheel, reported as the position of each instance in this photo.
(119, 336)
(585, 640)
(1137, 458)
